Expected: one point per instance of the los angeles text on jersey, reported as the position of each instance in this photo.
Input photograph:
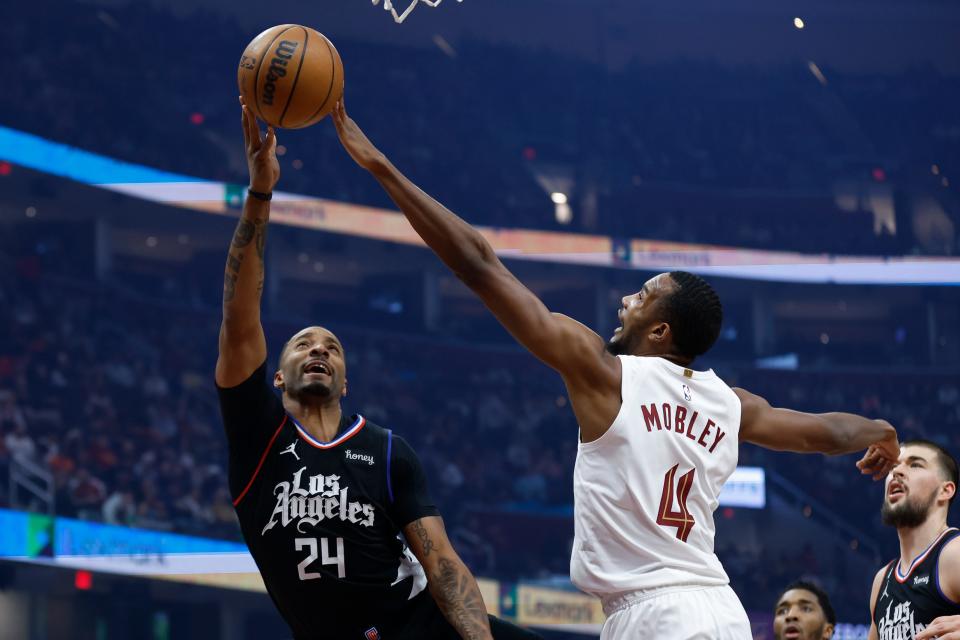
(898, 623)
(683, 422)
(323, 498)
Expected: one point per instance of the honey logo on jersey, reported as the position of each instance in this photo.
(322, 499)
(361, 457)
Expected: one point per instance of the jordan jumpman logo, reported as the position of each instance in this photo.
(292, 449)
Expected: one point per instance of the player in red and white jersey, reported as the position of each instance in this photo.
(658, 439)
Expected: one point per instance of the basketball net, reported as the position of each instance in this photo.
(400, 17)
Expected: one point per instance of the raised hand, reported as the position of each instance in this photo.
(944, 628)
(880, 458)
(261, 153)
(353, 139)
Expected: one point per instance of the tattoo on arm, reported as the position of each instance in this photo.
(261, 236)
(244, 233)
(247, 231)
(458, 596)
(231, 275)
(424, 537)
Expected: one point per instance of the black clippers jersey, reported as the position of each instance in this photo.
(322, 520)
(908, 603)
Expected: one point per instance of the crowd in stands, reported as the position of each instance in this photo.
(114, 395)
(113, 392)
(641, 149)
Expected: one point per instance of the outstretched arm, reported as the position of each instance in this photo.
(243, 347)
(576, 352)
(830, 433)
(452, 585)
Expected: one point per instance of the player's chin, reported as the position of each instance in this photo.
(316, 388)
(615, 345)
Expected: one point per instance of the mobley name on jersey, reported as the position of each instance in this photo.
(674, 418)
(322, 499)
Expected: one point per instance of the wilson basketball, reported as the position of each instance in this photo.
(291, 76)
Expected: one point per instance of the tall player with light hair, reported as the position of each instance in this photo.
(917, 596)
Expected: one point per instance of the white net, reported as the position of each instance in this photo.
(401, 16)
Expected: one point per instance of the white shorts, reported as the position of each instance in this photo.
(676, 613)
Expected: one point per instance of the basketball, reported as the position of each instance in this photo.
(290, 76)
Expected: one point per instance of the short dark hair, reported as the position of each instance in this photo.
(948, 464)
(822, 598)
(694, 314)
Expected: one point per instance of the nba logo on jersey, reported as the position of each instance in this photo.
(371, 634)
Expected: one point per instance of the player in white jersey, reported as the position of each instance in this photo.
(657, 438)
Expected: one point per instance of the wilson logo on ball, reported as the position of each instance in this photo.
(278, 68)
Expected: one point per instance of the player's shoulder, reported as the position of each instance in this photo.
(880, 575)
(950, 551)
(372, 428)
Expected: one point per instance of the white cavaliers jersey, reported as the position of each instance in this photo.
(645, 491)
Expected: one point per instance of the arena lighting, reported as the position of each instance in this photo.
(196, 118)
(934, 169)
(31, 212)
(817, 73)
(558, 198)
(561, 247)
(5, 168)
(83, 580)
(798, 23)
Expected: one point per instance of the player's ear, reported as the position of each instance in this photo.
(948, 490)
(660, 332)
(343, 392)
(278, 380)
(827, 631)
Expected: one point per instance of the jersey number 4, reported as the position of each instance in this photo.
(311, 545)
(681, 519)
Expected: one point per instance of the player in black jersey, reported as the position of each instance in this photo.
(803, 612)
(917, 596)
(323, 497)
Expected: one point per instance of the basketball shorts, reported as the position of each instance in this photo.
(676, 613)
(429, 624)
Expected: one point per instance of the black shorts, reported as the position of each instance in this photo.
(430, 624)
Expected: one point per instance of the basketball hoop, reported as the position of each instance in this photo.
(400, 17)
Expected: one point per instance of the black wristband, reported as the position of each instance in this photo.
(266, 197)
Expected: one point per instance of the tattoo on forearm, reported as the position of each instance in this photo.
(458, 596)
(231, 275)
(261, 239)
(247, 231)
(229, 287)
(244, 233)
(424, 537)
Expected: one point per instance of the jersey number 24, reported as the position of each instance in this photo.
(310, 544)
